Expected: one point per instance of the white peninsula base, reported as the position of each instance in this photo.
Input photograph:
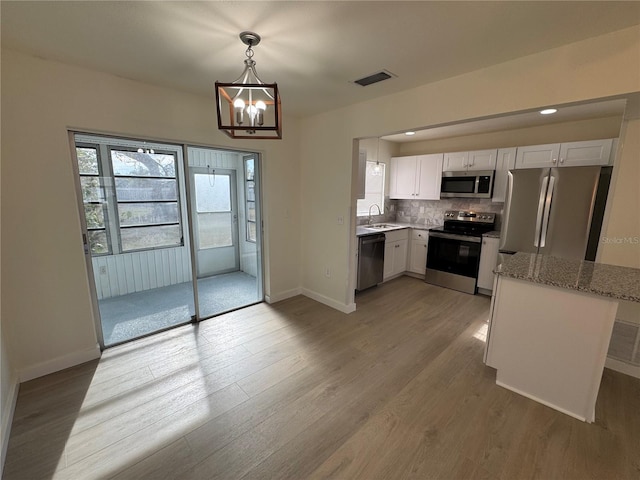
(550, 344)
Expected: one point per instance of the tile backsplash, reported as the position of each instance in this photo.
(431, 212)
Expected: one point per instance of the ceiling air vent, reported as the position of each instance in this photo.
(374, 78)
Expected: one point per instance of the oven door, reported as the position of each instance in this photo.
(453, 260)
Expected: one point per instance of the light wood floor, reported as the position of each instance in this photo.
(298, 390)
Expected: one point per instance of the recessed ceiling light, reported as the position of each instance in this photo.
(548, 111)
(409, 133)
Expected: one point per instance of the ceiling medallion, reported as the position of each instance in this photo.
(248, 107)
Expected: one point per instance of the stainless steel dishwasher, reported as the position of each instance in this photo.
(370, 260)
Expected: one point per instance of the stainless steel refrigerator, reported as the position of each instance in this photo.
(555, 211)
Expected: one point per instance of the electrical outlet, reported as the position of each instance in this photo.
(327, 272)
(103, 270)
(340, 220)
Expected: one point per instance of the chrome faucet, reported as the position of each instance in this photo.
(379, 212)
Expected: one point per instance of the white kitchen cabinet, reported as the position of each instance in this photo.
(418, 251)
(594, 152)
(395, 253)
(572, 154)
(416, 177)
(455, 162)
(537, 156)
(469, 161)
(482, 160)
(505, 161)
(488, 262)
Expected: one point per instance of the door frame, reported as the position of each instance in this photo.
(186, 213)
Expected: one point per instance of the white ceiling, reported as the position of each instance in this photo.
(313, 50)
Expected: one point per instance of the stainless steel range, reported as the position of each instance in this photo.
(453, 254)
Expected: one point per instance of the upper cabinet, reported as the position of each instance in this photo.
(573, 154)
(455, 162)
(469, 161)
(506, 160)
(416, 177)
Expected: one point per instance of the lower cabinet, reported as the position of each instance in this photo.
(418, 251)
(488, 262)
(395, 253)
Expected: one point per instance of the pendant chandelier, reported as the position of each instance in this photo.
(248, 107)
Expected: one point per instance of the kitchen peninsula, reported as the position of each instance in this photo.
(550, 325)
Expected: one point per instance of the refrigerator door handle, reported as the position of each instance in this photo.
(505, 225)
(541, 205)
(547, 212)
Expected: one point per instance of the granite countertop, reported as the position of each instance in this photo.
(492, 234)
(364, 230)
(622, 283)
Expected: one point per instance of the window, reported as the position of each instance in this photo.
(213, 207)
(131, 197)
(250, 195)
(94, 198)
(373, 189)
(147, 199)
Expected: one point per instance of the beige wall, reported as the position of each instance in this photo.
(596, 68)
(620, 242)
(47, 314)
(594, 129)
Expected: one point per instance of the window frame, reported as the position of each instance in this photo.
(248, 222)
(116, 222)
(103, 203)
(361, 201)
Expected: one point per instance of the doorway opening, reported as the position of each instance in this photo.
(170, 233)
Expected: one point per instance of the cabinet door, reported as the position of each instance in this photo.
(389, 249)
(488, 262)
(400, 257)
(429, 176)
(505, 161)
(595, 152)
(455, 162)
(538, 156)
(402, 182)
(482, 160)
(418, 255)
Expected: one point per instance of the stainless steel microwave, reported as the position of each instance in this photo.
(474, 184)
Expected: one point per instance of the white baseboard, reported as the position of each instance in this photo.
(60, 363)
(7, 420)
(342, 307)
(622, 367)
(543, 402)
(278, 297)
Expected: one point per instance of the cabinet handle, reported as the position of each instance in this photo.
(561, 160)
(554, 160)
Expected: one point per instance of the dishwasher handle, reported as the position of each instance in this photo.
(376, 239)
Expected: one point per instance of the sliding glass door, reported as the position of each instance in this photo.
(136, 216)
(134, 211)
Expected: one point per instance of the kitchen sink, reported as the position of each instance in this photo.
(381, 225)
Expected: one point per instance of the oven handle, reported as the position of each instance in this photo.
(453, 236)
